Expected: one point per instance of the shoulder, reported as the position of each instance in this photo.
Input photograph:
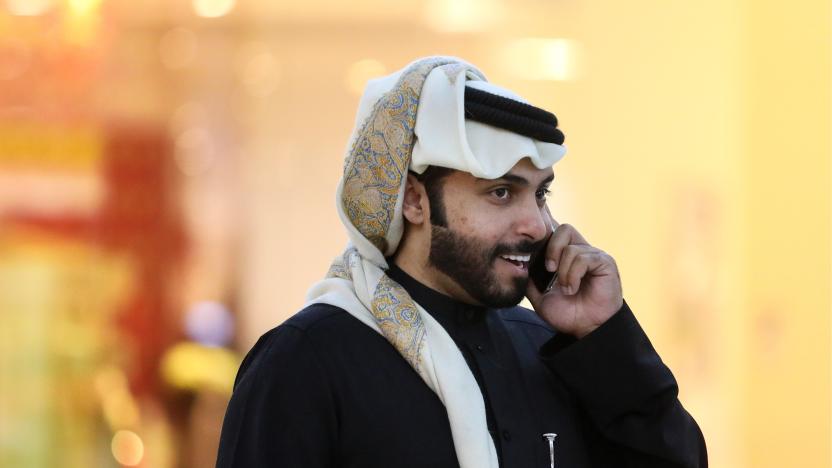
(295, 327)
(310, 323)
(317, 316)
(524, 317)
(294, 343)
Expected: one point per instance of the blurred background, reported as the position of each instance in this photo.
(167, 180)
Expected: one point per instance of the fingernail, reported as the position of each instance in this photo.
(565, 289)
(551, 265)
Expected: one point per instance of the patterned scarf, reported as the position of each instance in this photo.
(370, 206)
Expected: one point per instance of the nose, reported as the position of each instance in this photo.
(533, 221)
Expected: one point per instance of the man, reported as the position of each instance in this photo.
(413, 351)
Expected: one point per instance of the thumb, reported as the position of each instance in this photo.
(535, 296)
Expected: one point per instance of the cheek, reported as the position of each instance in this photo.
(486, 231)
(477, 218)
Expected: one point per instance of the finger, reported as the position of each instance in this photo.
(551, 222)
(575, 237)
(563, 236)
(535, 295)
(583, 263)
(568, 256)
(590, 263)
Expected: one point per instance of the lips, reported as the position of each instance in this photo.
(518, 260)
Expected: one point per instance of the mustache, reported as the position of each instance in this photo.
(524, 247)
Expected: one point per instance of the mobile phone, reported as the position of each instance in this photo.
(543, 279)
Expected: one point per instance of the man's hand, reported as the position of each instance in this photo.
(588, 289)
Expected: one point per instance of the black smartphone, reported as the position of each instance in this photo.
(542, 278)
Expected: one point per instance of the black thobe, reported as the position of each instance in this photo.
(325, 390)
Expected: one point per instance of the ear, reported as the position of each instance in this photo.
(415, 207)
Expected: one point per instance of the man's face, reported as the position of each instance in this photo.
(493, 227)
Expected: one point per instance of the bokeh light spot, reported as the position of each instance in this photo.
(127, 447)
(84, 7)
(538, 58)
(258, 69)
(457, 16)
(210, 324)
(28, 7)
(191, 366)
(362, 71)
(213, 8)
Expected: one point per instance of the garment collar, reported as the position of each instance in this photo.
(449, 312)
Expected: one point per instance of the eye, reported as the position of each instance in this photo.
(502, 193)
(542, 194)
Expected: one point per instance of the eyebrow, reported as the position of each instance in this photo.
(518, 180)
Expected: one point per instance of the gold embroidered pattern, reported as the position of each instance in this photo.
(340, 266)
(380, 156)
(399, 320)
(374, 171)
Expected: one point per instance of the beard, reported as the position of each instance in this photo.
(471, 263)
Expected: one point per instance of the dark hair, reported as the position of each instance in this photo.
(433, 179)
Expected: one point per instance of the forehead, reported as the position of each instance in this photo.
(524, 169)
